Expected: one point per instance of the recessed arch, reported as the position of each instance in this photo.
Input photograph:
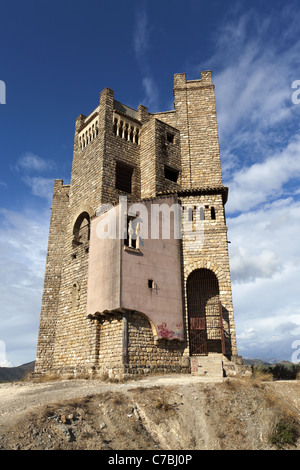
(81, 226)
(81, 229)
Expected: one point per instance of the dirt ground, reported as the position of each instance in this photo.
(158, 413)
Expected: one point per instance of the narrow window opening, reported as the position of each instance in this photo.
(126, 132)
(115, 126)
(150, 283)
(171, 174)
(131, 134)
(121, 129)
(170, 138)
(124, 177)
(213, 213)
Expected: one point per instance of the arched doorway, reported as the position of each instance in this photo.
(204, 313)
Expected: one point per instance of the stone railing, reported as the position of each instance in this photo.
(90, 131)
(126, 128)
(123, 126)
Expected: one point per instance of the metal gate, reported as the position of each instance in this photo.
(204, 314)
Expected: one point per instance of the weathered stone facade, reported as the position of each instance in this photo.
(119, 151)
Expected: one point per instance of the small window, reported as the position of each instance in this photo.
(171, 174)
(213, 213)
(150, 283)
(170, 137)
(132, 232)
(124, 177)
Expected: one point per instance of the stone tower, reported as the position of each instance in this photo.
(119, 296)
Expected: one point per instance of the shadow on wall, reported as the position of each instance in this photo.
(227, 329)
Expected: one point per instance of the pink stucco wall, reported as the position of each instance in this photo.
(118, 277)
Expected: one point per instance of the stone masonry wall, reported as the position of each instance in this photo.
(54, 264)
(145, 355)
(92, 184)
(195, 118)
(110, 346)
(212, 255)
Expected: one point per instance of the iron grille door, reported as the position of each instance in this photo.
(203, 312)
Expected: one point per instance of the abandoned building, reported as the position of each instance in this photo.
(137, 276)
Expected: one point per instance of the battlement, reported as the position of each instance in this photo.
(180, 80)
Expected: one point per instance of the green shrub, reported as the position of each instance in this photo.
(284, 433)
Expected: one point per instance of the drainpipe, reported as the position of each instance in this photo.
(125, 338)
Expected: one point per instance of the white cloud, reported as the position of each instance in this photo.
(253, 82)
(3, 361)
(260, 149)
(265, 271)
(141, 44)
(141, 37)
(30, 167)
(247, 266)
(151, 98)
(23, 245)
(29, 162)
(261, 181)
(264, 241)
(40, 186)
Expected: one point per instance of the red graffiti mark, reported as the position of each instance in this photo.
(164, 332)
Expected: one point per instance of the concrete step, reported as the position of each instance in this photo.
(207, 366)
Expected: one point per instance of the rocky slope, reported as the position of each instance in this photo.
(159, 413)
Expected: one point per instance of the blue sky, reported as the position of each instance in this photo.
(57, 56)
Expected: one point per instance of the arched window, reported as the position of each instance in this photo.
(126, 132)
(81, 229)
(131, 133)
(115, 126)
(121, 129)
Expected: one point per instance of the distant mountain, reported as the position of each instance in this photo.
(256, 362)
(271, 362)
(13, 374)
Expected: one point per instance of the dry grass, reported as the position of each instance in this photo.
(43, 378)
(284, 431)
(162, 404)
(261, 375)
